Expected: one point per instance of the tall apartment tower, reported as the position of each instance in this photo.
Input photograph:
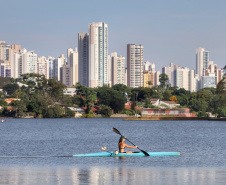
(43, 66)
(57, 65)
(72, 61)
(83, 58)
(134, 65)
(29, 62)
(17, 63)
(98, 54)
(202, 61)
(4, 51)
(117, 69)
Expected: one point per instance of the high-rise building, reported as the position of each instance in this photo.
(72, 61)
(98, 54)
(169, 70)
(157, 73)
(184, 78)
(66, 75)
(51, 71)
(134, 65)
(5, 69)
(29, 62)
(17, 63)
(109, 71)
(43, 66)
(148, 66)
(83, 58)
(4, 51)
(202, 61)
(57, 65)
(118, 69)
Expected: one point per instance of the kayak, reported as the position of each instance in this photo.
(138, 154)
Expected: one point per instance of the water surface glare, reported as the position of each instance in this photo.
(39, 151)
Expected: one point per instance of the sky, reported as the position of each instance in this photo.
(169, 30)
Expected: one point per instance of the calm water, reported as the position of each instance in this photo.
(38, 151)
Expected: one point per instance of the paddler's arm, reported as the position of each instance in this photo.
(128, 146)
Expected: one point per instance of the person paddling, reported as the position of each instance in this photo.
(122, 145)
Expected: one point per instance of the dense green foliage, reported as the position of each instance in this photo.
(43, 98)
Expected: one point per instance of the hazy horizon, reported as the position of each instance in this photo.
(170, 31)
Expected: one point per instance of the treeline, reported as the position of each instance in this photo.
(44, 98)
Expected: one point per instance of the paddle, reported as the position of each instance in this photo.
(117, 132)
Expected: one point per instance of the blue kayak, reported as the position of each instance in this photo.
(138, 154)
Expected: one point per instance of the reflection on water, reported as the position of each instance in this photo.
(100, 175)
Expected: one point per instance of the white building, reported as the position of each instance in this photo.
(51, 71)
(202, 61)
(184, 78)
(29, 62)
(208, 81)
(57, 64)
(72, 60)
(4, 50)
(98, 54)
(157, 73)
(148, 66)
(43, 66)
(109, 71)
(134, 65)
(118, 69)
(169, 70)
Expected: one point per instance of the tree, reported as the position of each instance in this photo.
(173, 98)
(105, 111)
(55, 89)
(4, 81)
(10, 88)
(3, 103)
(163, 79)
(221, 86)
(19, 107)
(111, 98)
(54, 112)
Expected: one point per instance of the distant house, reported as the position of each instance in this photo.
(9, 100)
(21, 84)
(95, 109)
(183, 112)
(70, 91)
(78, 111)
(129, 104)
(164, 104)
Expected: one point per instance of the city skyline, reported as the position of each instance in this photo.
(168, 31)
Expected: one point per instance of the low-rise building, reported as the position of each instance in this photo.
(183, 112)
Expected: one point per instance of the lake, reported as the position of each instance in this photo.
(39, 151)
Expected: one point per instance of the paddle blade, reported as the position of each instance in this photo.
(116, 131)
(145, 153)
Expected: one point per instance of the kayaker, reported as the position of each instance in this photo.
(122, 145)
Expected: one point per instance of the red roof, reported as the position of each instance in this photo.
(129, 107)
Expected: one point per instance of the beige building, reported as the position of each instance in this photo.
(149, 78)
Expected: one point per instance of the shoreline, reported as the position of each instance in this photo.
(173, 118)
